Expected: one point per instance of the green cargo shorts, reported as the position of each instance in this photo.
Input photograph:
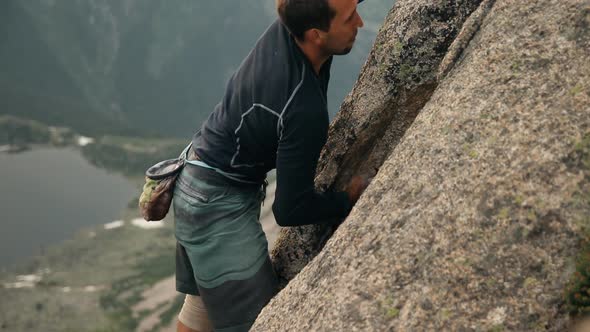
(222, 251)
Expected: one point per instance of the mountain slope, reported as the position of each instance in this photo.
(138, 66)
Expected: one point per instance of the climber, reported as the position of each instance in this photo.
(273, 114)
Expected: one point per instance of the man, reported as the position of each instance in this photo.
(273, 114)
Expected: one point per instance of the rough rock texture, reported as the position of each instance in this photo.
(473, 221)
(395, 83)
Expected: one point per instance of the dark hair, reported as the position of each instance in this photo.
(301, 15)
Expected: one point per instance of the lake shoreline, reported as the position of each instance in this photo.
(109, 273)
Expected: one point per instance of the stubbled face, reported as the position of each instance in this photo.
(339, 39)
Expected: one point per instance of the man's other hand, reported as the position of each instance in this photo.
(356, 186)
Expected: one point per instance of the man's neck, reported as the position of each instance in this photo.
(313, 54)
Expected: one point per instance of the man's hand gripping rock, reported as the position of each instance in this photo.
(356, 187)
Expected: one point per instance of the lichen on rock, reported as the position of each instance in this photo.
(477, 211)
(398, 78)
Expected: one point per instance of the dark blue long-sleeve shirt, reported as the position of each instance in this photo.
(274, 114)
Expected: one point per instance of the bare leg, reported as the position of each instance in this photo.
(193, 316)
(182, 328)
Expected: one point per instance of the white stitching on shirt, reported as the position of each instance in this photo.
(289, 101)
(233, 159)
(279, 121)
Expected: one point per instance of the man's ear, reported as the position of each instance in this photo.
(311, 35)
(322, 35)
(317, 36)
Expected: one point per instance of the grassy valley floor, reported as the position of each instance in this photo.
(89, 283)
(113, 277)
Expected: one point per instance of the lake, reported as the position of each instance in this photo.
(49, 194)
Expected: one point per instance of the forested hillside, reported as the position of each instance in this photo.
(138, 67)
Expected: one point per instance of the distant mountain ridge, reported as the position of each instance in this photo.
(136, 67)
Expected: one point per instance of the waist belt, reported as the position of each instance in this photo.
(191, 155)
(195, 167)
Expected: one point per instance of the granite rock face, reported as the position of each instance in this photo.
(477, 116)
(397, 80)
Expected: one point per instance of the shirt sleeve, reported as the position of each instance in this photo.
(296, 201)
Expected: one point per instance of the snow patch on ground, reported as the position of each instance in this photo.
(141, 223)
(91, 289)
(83, 140)
(24, 281)
(114, 224)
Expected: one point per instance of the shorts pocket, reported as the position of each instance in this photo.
(198, 192)
(192, 195)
